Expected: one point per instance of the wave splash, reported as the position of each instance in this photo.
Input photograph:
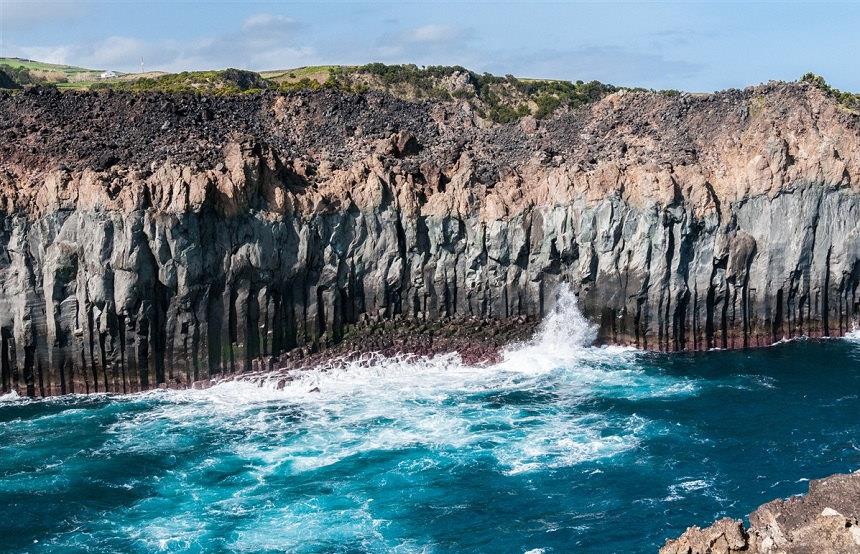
(526, 411)
(556, 444)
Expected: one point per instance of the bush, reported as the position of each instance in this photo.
(6, 81)
(19, 75)
(546, 104)
(847, 99)
(228, 81)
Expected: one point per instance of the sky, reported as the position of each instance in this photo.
(692, 46)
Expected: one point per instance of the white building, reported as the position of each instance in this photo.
(108, 75)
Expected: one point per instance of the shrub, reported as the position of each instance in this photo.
(19, 75)
(847, 99)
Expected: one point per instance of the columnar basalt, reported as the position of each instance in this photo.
(157, 239)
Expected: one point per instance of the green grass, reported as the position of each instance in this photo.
(227, 81)
(76, 85)
(319, 73)
(26, 72)
(41, 66)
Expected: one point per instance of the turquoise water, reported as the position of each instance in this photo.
(560, 448)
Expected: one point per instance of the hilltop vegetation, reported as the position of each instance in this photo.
(27, 72)
(34, 65)
(848, 99)
(498, 99)
(318, 73)
(227, 81)
(6, 81)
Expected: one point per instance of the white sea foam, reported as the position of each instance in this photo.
(681, 489)
(10, 397)
(323, 416)
(853, 335)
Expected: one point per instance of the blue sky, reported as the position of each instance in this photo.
(696, 46)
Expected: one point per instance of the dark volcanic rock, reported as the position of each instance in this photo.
(150, 239)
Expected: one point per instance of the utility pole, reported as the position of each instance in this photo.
(141, 64)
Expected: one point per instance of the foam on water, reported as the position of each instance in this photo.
(10, 397)
(379, 404)
(853, 335)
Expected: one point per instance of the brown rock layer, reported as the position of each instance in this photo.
(153, 239)
(824, 521)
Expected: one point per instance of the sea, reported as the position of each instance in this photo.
(560, 447)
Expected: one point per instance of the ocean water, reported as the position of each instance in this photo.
(562, 447)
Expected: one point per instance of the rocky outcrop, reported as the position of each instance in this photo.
(823, 521)
(160, 239)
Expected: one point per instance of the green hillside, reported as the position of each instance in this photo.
(27, 72)
(41, 66)
(227, 81)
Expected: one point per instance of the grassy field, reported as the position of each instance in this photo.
(318, 73)
(41, 66)
(88, 83)
(68, 75)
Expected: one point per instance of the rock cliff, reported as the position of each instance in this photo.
(823, 521)
(153, 239)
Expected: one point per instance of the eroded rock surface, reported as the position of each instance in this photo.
(824, 521)
(151, 239)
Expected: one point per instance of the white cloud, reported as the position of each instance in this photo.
(426, 44)
(47, 54)
(267, 21)
(434, 34)
(115, 51)
(263, 41)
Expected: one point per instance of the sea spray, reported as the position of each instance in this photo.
(383, 403)
(563, 340)
(853, 334)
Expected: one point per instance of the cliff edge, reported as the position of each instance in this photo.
(160, 239)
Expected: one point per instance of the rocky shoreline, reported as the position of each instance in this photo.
(474, 341)
(825, 520)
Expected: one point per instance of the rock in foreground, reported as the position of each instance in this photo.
(825, 520)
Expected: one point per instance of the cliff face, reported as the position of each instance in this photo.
(153, 239)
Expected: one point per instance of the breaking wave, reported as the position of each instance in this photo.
(382, 404)
(853, 335)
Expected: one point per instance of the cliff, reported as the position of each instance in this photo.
(824, 520)
(153, 239)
